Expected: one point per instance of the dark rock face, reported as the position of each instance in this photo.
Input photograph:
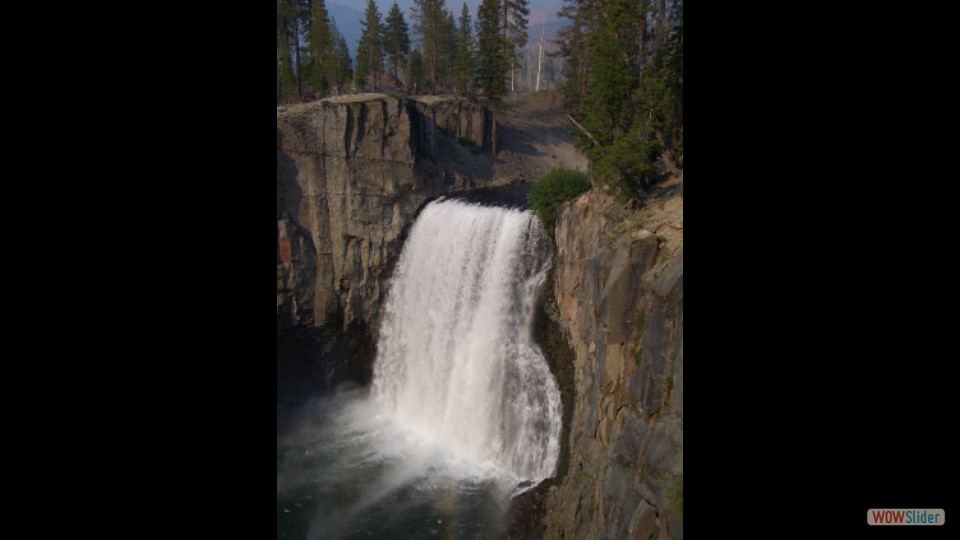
(620, 302)
(455, 117)
(296, 274)
(348, 188)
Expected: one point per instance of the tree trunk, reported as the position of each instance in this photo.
(540, 56)
(582, 79)
(433, 57)
(505, 38)
(285, 58)
(296, 33)
(584, 130)
(641, 38)
(662, 26)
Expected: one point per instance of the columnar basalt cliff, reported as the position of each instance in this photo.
(349, 182)
(618, 296)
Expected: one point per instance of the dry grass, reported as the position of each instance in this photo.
(355, 98)
(430, 100)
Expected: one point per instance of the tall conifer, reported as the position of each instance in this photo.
(465, 67)
(370, 48)
(429, 17)
(491, 69)
(396, 40)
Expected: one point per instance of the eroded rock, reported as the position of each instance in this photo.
(619, 293)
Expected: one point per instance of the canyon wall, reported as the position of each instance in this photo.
(618, 296)
(352, 173)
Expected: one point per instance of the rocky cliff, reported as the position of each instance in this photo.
(618, 296)
(352, 172)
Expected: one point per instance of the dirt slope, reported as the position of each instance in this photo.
(535, 136)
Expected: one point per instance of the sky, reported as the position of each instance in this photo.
(348, 14)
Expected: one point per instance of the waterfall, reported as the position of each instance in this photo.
(456, 362)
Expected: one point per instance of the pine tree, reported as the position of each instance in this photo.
(396, 40)
(514, 28)
(371, 45)
(300, 28)
(465, 66)
(429, 17)
(446, 60)
(675, 72)
(643, 34)
(286, 21)
(612, 76)
(321, 48)
(361, 75)
(416, 71)
(491, 70)
(571, 48)
(342, 71)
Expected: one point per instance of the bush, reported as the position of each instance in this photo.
(548, 192)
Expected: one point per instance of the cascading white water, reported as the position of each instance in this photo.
(456, 360)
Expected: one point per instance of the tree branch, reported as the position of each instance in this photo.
(582, 129)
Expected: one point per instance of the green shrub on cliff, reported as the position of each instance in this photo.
(548, 192)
